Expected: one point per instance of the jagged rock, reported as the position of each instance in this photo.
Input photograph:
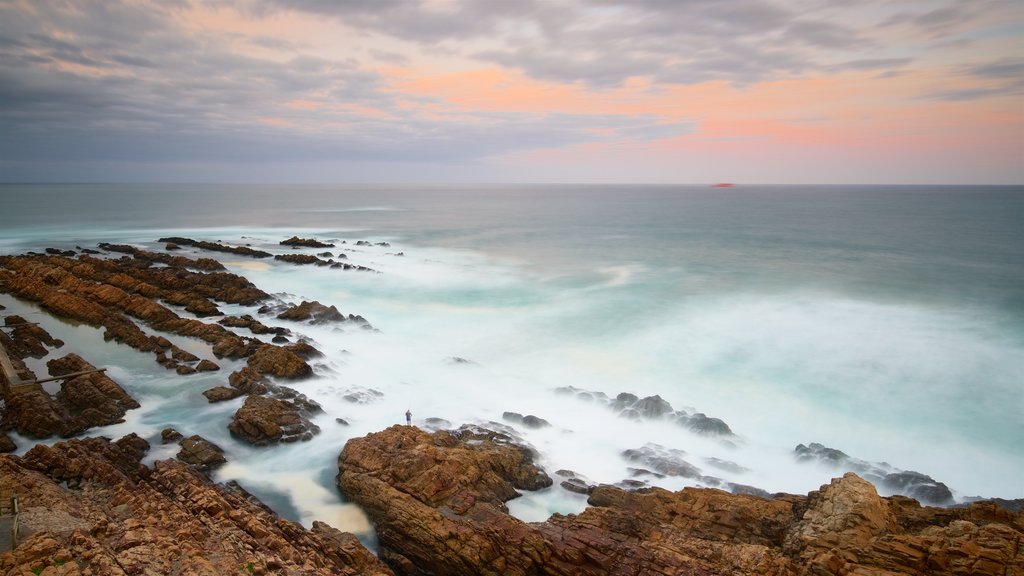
(168, 435)
(201, 453)
(262, 421)
(276, 361)
(317, 313)
(208, 264)
(254, 325)
(29, 339)
(217, 247)
(919, 487)
(90, 507)
(913, 484)
(437, 502)
(206, 366)
(221, 394)
(83, 402)
(105, 293)
(628, 405)
(305, 242)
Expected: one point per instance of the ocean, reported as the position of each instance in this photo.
(883, 321)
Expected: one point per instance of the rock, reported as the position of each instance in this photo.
(262, 421)
(168, 435)
(254, 325)
(6, 444)
(667, 461)
(317, 313)
(206, 366)
(341, 421)
(217, 247)
(83, 402)
(279, 339)
(437, 501)
(171, 246)
(221, 394)
(892, 480)
(90, 507)
(280, 362)
(305, 242)
(328, 255)
(201, 453)
(703, 425)
(919, 487)
(577, 485)
(29, 339)
(529, 421)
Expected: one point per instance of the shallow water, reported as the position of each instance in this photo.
(886, 322)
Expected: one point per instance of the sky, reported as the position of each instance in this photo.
(659, 91)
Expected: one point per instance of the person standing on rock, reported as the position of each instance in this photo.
(408, 417)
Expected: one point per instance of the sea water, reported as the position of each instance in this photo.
(887, 322)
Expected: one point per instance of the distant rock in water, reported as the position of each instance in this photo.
(667, 461)
(631, 406)
(305, 243)
(217, 247)
(316, 313)
(907, 483)
(529, 421)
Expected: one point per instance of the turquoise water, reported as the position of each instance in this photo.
(884, 321)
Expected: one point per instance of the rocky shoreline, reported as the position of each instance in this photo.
(437, 499)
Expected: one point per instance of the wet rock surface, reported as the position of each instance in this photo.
(437, 501)
(628, 405)
(90, 507)
(262, 421)
(316, 313)
(201, 453)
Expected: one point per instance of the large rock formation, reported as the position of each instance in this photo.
(263, 420)
(90, 507)
(438, 503)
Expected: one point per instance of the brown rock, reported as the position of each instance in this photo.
(277, 361)
(221, 394)
(434, 520)
(90, 507)
(201, 453)
(262, 421)
(207, 366)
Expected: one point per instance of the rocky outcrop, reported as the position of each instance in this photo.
(201, 453)
(317, 313)
(305, 243)
(216, 247)
(83, 402)
(252, 324)
(530, 421)
(262, 421)
(27, 339)
(207, 264)
(628, 405)
(90, 507)
(890, 479)
(278, 361)
(437, 501)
